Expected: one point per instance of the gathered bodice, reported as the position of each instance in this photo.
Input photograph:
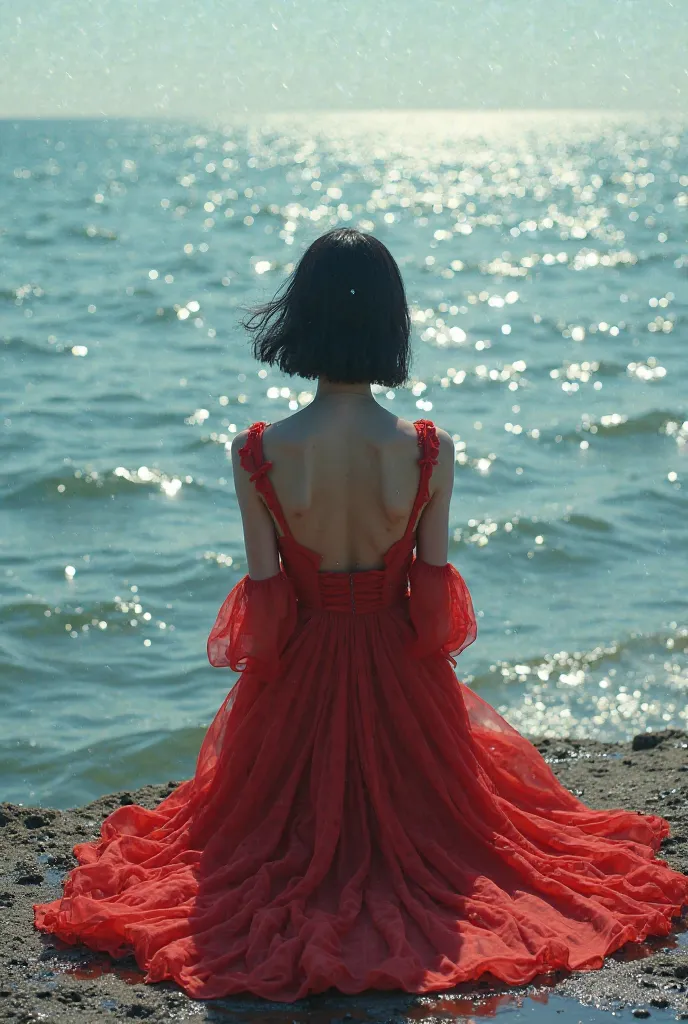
(360, 591)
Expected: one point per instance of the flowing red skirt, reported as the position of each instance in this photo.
(360, 819)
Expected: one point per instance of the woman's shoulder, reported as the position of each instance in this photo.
(283, 436)
(407, 435)
(446, 442)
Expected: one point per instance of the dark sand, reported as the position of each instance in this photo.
(39, 981)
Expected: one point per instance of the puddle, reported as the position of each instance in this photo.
(537, 1008)
(537, 1003)
(79, 964)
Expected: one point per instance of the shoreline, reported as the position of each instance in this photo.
(42, 979)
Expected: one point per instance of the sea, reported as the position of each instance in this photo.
(545, 257)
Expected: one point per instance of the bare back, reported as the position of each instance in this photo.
(346, 473)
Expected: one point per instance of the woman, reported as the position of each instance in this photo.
(357, 818)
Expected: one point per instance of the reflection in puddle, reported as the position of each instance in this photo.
(131, 976)
(678, 939)
(82, 965)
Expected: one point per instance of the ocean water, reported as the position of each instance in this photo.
(546, 263)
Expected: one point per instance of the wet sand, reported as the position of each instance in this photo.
(43, 979)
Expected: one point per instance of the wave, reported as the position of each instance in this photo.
(617, 425)
(33, 619)
(573, 537)
(611, 691)
(142, 607)
(476, 372)
(75, 776)
(94, 484)
(545, 665)
(93, 232)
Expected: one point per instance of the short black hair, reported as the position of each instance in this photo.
(341, 314)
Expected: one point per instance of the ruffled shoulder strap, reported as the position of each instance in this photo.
(430, 447)
(254, 462)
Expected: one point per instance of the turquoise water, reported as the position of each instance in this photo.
(545, 260)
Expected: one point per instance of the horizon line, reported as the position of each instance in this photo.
(350, 112)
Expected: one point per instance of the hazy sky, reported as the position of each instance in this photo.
(216, 58)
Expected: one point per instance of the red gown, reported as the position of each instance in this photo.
(358, 818)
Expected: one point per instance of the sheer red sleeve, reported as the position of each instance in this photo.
(253, 625)
(441, 610)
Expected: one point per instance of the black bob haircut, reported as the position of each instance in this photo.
(342, 314)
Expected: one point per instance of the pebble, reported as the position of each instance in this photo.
(646, 741)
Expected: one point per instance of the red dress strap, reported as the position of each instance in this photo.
(430, 447)
(254, 462)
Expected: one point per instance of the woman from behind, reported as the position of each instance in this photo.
(358, 818)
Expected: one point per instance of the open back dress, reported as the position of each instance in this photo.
(359, 818)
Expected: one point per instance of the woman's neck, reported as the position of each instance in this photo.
(331, 389)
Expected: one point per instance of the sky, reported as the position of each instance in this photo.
(220, 58)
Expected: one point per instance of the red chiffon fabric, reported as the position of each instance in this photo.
(357, 817)
(440, 609)
(254, 623)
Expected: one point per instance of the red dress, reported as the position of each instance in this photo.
(358, 818)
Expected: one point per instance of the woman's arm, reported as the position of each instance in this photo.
(260, 536)
(432, 535)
